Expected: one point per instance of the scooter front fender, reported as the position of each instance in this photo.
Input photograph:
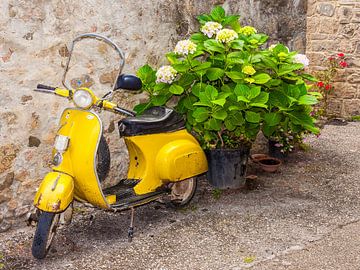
(55, 193)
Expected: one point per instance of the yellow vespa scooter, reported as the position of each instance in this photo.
(164, 158)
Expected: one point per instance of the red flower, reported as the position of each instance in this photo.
(320, 84)
(331, 58)
(343, 64)
(341, 55)
(328, 87)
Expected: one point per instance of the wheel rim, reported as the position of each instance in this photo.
(52, 230)
(182, 191)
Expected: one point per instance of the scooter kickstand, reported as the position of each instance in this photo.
(131, 228)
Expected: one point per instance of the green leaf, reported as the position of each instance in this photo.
(237, 44)
(214, 73)
(269, 63)
(268, 130)
(300, 118)
(146, 74)
(213, 124)
(262, 98)
(172, 58)
(221, 115)
(278, 99)
(309, 77)
(242, 90)
(287, 68)
(218, 13)
(280, 48)
(211, 92)
(220, 101)
(160, 86)
(159, 100)
(197, 88)
(198, 37)
(176, 89)
(200, 114)
(204, 18)
(272, 119)
(308, 100)
(261, 78)
(236, 118)
(186, 80)
(235, 75)
(235, 25)
(229, 125)
(230, 20)
(183, 67)
(252, 117)
(214, 46)
(316, 94)
(202, 66)
(140, 108)
(254, 92)
(189, 102)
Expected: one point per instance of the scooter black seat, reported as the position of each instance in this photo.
(153, 120)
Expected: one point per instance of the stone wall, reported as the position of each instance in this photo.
(334, 27)
(33, 49)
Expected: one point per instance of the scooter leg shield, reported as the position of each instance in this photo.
(55, 193)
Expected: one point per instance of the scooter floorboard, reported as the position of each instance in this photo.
(122, 185)
(125, 203)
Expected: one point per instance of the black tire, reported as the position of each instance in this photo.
(102, 159)
(44, 234)
(188, 195)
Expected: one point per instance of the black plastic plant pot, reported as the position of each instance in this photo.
(227, 167)
(275, 151)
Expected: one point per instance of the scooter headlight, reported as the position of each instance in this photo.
(83, 99)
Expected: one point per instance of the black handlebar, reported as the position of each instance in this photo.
(42, 86)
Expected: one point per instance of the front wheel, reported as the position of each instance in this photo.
(182, 192)
(44, 234)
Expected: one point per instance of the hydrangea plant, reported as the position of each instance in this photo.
(229, 87)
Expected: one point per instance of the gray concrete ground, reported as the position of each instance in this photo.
(307, 216)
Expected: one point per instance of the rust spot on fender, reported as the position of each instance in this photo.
(56, 206)
(39, 200)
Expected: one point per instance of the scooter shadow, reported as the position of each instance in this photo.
(94, 228)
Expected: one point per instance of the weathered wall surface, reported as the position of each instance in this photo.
(334, 27)
(33, 38)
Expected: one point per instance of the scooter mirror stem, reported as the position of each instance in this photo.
(101, 38)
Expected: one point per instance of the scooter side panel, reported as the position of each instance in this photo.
(55, 192)
(151, 165)
(84, 130)
(180, 159)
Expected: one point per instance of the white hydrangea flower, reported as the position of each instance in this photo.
(211, 28)
(185, 47)
(302, 59)
(166, 74)
(226, 35)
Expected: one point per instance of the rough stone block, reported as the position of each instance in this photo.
(351, 107)
(345, 14)
(354, 78)
(326, 9)
(327, 26)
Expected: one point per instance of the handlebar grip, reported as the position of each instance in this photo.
(42, 86)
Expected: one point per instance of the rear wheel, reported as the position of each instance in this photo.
(44, 234)
(182, 192)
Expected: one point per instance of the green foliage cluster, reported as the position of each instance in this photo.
(228, 92)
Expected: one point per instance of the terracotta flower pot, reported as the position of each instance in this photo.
(269, 164)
